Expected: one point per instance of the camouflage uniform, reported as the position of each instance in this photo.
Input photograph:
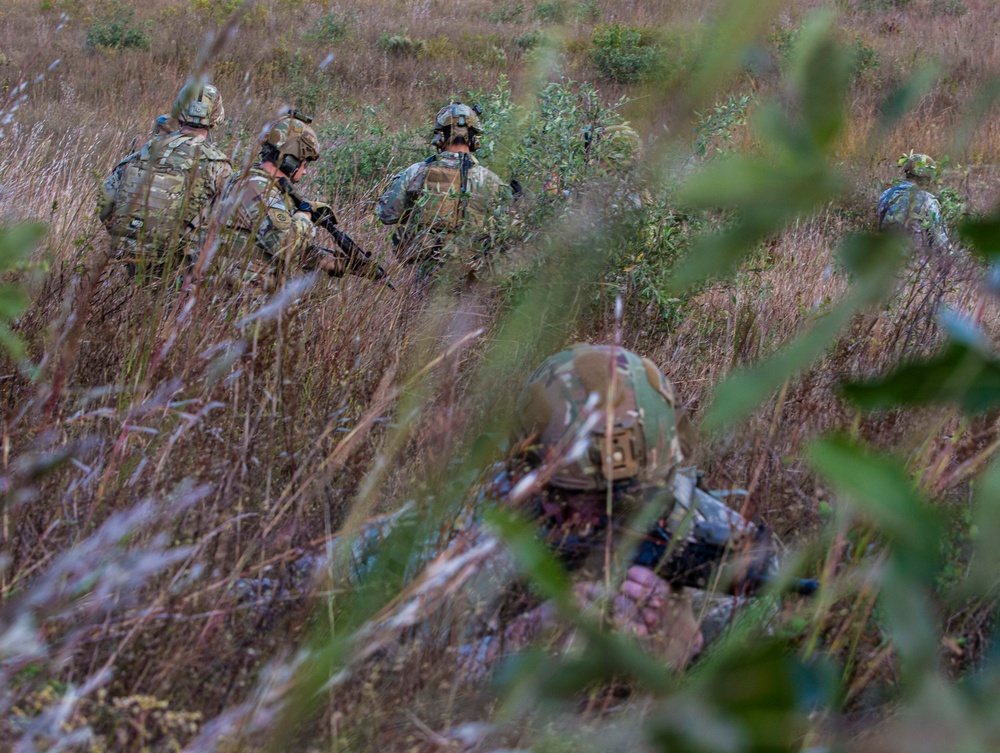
(427, 198)
(267, 235)
(443, 196)
(564, 409)
(155, 198)
(909, 208)
(269, 232)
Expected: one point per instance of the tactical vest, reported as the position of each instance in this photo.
(446, 203)
(162, 191)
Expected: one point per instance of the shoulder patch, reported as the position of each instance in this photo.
(280, 219)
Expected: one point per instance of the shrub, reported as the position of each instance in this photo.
(551, 11)
(620, 53)
(715, 128)
(866, 59)
(588, 12)
(506, 13)
(871, 6)
(116, 31)
(329, 28)
(361, 154)
(529, 40)
(399, 44)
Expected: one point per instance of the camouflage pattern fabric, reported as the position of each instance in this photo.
(267, 237)
(567, 399)
(428, 201)
(156, 197)
(907, 208)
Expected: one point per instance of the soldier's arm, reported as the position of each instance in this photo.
(935, 225)
(395, 204)
(109, 191)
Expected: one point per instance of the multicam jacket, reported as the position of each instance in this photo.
(267, 236)
(912, 210)
(436, 198)
(156, 197)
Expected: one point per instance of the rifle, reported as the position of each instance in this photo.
(356, 259)
(711, 534)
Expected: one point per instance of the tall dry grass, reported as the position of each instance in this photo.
(280, 419)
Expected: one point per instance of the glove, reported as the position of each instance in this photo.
(318, 211)
(303, 224)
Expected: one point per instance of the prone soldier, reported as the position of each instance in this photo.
(603, 443)
(155, 198)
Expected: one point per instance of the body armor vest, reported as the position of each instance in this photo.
(162, 191)
(447, 202)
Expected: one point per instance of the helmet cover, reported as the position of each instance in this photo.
(571, 397)
(199, 105)
(919, 167)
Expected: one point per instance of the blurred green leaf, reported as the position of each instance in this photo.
(877, 486)
(12, 301)
(982, 235)
(532, 556)
(17, 243)
(753, 184)
(966, 373)
(983, 576)
(903, 98)
(751, 702)
(739, 25)
(822, 72)
(877, 257)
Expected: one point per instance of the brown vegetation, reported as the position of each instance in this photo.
(283, 418)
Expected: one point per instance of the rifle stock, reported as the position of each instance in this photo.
(711, 536)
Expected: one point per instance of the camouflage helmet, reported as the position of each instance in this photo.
(290, 142)
(457, 119)
(920, 167)
(199, 105)
(565, 401)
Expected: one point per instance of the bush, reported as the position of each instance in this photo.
(529, 40)
(505, 14)
(217, 11)
(871, 6)
(620, 53)
(116, 31)
(588, 12)
(329, 28)
(552, 11)
(360, 156)
(399, 44)
(866, 59)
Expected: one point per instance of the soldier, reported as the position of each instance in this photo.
(434, 200)
(909, 206)
(272, 228)
(600, 423)
(155, 198)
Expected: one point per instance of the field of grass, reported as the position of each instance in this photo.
(161, 446)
